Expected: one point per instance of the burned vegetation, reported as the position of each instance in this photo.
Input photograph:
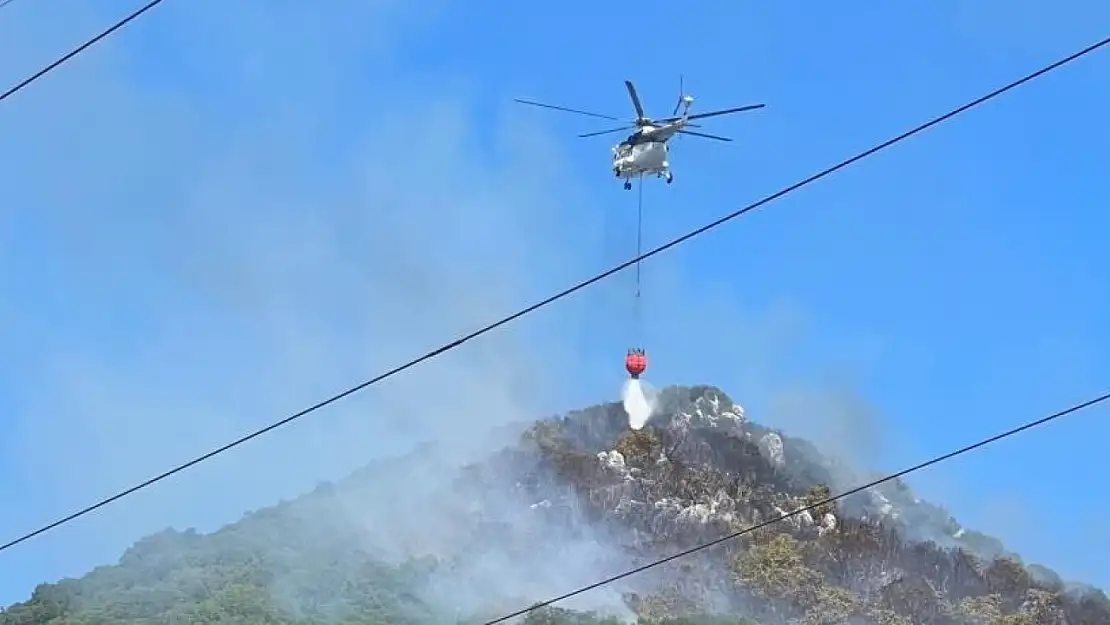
(698, 472)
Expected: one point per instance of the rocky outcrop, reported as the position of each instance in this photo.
(701, 470)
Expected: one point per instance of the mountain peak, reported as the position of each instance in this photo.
(573, 499)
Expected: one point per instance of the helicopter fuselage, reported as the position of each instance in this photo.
(631, 160)
(655, 134)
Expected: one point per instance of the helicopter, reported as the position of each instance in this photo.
(644, 152)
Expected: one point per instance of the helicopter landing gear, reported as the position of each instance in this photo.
(669, 177)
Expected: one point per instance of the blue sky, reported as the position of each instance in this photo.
(219, 217)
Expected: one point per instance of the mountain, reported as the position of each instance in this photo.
(567, 501)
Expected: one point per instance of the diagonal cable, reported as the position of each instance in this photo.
(79, 49)
(553, 298)
(917, 467)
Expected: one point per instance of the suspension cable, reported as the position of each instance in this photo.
(638, 312)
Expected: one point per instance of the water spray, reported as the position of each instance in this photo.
(638, 398)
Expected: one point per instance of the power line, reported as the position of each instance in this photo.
(581, 285)
(78, 50)
(828, 500)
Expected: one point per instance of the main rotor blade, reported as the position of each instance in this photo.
(702, 134)
(605, 132)
(563, 108)
(739, 109)
(635, 99)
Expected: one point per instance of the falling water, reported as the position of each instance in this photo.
(639, 402)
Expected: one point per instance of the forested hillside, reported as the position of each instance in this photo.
(574, 499)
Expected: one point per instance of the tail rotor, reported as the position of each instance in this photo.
(684, 101)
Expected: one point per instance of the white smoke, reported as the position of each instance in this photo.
(639, 400)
